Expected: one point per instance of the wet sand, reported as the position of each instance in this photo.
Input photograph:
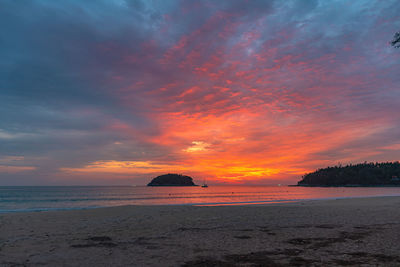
(348, 232)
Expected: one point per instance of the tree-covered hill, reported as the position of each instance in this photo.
(172, 179)
(364, 174)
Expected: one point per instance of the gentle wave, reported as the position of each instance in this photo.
(112, 199)
(29, 199)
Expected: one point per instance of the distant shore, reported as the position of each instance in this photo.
(348, 185)
(322, 232)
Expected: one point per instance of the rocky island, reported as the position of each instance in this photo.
(364, 174)
(172, 179)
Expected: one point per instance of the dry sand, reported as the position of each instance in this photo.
(359, 232)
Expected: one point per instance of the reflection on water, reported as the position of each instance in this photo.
(46, 198)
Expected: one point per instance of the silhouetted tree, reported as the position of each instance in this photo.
(396, 40)
(364, 174)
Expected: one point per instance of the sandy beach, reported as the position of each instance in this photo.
(363, 231)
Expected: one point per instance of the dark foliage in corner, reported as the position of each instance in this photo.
(364, 174)
(396, 40)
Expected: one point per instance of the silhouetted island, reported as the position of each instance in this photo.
(364, 174)
(172, 179)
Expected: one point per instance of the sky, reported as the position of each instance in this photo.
(115, 92)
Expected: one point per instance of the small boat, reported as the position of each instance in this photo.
(204, 184)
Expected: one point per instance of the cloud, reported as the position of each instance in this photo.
(233, 90)
(13, 164)
(13, 169)
(197, 146)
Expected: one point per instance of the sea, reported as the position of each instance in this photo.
(44, 198)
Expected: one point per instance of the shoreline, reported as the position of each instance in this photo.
(350, 185)
(198, 204)
(357, 231)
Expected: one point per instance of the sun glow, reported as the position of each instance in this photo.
(223, 170)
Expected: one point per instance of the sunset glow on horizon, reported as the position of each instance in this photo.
(240, 92)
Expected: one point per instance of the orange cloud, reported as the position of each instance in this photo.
(229, 102)
(14, 169)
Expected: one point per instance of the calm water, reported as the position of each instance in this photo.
(76, 197)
